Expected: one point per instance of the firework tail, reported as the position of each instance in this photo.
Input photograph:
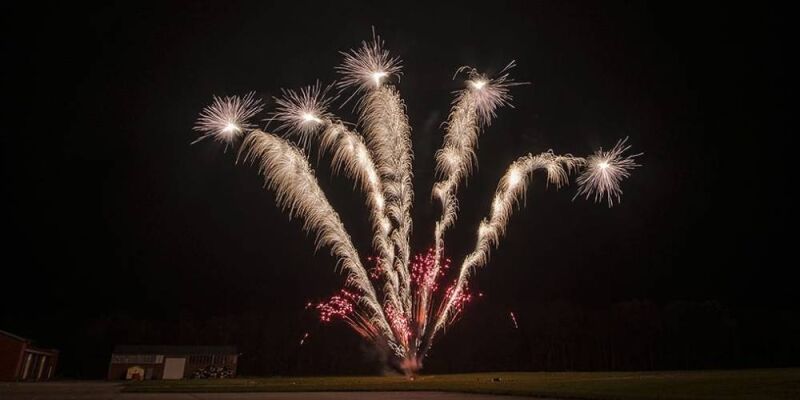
(510, 192)
(388, 136)
(473, 108)
(287, 173)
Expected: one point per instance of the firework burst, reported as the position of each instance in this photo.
(304, 111)
(227, 118)
(368, 67)
(486, 93)
(604, 172)
(398, 302)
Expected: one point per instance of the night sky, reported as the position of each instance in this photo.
(109, 213)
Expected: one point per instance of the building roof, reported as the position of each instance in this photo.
(13, 336)
(29, 346)
(173, 350)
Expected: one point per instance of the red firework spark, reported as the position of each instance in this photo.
(398, 322)
(340, 305)
(376, 271)
(425, 276)
(424, 273)
(461, 299)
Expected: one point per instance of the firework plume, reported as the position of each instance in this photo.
(398, 302)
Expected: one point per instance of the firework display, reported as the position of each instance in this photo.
(401, 302)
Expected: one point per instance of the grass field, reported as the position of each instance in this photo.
(736, 385)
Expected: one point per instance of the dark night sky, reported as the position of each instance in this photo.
(108, 210)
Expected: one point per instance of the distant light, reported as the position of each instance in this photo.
(478, 84)
(377, 76)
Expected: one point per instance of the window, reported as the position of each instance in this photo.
(42, 361)
(26, 369)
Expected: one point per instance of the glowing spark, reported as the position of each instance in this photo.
(424, 271)
(514, 178)
(514, 320)
(231, 127)
(453, 159)
(484, 230)
(399, 323)
(307, 117)
(478, 84)
(377, 76)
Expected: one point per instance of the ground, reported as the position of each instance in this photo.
(678, 385)
(112, 391)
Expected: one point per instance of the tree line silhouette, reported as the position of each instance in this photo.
(553, 336)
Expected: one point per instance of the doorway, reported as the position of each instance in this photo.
(173, 368)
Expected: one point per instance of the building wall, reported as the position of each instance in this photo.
(10, 357)
(194, 363)
(19, 361)
(118, 371)
(37, 364)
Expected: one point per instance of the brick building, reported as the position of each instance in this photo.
(171, 362)
(21, 361)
